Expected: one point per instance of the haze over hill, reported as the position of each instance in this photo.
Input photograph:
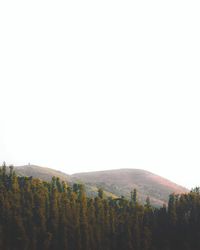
(119, 182)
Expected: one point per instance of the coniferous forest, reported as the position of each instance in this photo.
(38, 215)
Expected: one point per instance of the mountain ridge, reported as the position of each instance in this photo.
(115, 182)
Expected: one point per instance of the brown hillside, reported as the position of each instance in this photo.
(115, 182)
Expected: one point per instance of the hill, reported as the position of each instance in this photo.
(42, 173)
(46, 174)
(116, 183)
(122, 181)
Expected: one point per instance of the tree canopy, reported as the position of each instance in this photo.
(54, 215)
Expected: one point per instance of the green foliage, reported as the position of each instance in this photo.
(52, 215)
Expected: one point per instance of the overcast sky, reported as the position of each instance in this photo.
(92, 85)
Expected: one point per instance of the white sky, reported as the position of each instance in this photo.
(91, 85)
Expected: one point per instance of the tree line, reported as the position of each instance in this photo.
(35, 215)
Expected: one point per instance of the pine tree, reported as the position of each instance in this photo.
(134, 196)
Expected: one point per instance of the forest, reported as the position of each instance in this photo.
(39, 215)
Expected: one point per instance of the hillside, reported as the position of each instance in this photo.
(46, 174)
(41, 172)
(122, 181)
(115, 182)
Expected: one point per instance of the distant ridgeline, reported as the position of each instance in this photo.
(39, 215)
